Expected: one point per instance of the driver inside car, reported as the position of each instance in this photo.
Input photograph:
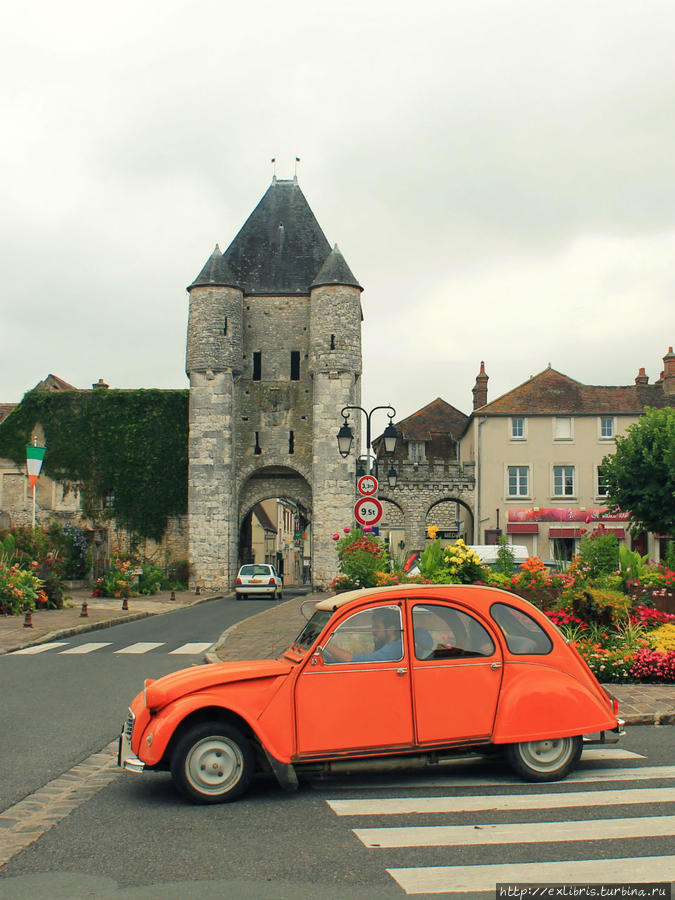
(387, 645)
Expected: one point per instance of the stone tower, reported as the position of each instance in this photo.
(273, 354)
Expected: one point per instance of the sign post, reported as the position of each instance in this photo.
(34, 457)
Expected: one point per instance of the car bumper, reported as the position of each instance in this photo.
(256, 589)
(126, 759)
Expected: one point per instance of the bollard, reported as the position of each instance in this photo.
(125, 604)
(173, 595)
(198, 590)
(85, 610)
(28, 619)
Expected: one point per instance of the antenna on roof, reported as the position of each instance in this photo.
(295, 173)
(274, 168)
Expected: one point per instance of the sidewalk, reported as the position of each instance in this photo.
(263, 636)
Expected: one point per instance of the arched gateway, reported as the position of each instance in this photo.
(273, 355)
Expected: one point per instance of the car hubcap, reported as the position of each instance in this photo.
(214, 765)
(546, 755)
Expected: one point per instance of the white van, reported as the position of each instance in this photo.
(487, 553)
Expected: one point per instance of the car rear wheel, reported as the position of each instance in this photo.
(212, 763)
(547, 760)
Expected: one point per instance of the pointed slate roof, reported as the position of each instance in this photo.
(551, 393)
(335, 271)
(281, 246)
(215, 271)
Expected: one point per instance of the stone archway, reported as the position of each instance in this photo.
(453, 518)
(288, 516)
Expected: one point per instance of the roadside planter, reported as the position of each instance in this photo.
(383, 677)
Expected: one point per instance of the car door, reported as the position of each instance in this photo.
(360, 703)
(456, 670)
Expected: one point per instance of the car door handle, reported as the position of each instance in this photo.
(494, 666)
(401, 671)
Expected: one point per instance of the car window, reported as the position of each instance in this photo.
(254, 570)
(372, 635)
(312, 629)
(522, 634)
(442, 632)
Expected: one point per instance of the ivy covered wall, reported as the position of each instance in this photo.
(126, 450)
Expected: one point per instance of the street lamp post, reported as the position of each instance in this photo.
(345, 436)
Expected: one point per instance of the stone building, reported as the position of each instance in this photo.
(273, 354)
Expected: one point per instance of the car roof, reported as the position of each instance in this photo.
(479, 596)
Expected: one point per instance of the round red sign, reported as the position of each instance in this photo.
(368, 511)
(367, 485)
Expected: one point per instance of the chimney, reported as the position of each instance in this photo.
(641, 378)
(100, 385)
(669, 373)
(480, 389)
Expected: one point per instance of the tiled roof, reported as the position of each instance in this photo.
(438, 417)
(281, 247)
(5, 410)
(54, 383)
(215, 271)
(553, 393)
(335, 271)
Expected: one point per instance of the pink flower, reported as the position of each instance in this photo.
(346, 529)
(336, 537)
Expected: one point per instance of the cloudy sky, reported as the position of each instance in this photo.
(500, 177)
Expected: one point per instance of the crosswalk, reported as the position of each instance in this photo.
(63, 648)
(509, 828)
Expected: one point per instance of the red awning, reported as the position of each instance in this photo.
(566, 532)
(522, 528)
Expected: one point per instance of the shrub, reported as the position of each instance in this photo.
(505, 564)
(663, 639)
(116, 581)
(20, 590)
(360, 558)
(599, 551)
(650, 665)
(460, 566)
(150, 581)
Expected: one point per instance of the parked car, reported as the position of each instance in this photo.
(407, 674)
(258, 578)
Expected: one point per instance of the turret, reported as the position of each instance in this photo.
(215, 322)
(335, 318)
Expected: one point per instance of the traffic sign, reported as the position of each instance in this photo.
(367, 510)
(367, 485)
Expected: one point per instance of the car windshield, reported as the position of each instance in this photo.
(312, 629)
(254, 570)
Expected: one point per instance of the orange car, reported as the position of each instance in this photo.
(403, 674)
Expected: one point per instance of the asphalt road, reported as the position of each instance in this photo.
(131, 837)
(137, 839)
(58, 708)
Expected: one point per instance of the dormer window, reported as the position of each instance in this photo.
(416, 451)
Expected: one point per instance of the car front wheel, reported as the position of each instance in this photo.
(547, 760)
(212, 763)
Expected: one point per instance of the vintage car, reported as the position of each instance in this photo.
(382, 677)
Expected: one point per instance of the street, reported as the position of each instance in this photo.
(455, 829)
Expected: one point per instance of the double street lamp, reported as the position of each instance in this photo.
(345, 437)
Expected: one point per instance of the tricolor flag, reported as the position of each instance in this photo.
(34, 458)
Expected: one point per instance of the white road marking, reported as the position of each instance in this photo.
(560, 800)
(140, 647)
(600, 752)
(39, 648)
(522, 833)
(191, 649)
(87, 648)
(639, 773)
(463, 879)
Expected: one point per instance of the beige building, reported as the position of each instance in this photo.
(538, 451)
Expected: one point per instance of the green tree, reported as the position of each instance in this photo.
(640, 474)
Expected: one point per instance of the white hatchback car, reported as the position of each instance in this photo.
(258, 578)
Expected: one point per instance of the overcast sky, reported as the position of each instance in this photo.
(500, 177)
